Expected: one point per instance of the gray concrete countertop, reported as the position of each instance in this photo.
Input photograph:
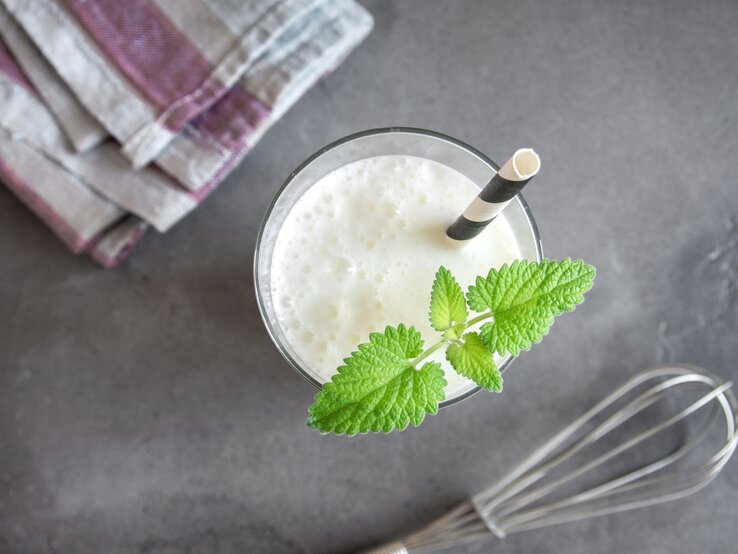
(144, 410)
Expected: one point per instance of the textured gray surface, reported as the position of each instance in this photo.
(144, 410)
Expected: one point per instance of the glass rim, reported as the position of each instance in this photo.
(294, 364)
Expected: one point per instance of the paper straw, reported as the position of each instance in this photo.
(498, 193)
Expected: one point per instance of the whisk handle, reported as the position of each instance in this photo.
(393, 548)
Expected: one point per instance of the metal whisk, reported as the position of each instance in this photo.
(523, 499)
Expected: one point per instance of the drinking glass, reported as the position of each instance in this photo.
(377, 142)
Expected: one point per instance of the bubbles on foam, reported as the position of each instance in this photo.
(292, 324)
(334, 310)
(344, 266)
(368, 268)
(391, 211)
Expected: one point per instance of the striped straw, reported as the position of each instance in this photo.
(498, 193)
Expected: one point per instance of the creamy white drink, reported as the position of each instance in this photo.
(360, 249)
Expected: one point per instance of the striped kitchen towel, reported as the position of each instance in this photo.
(184, 88)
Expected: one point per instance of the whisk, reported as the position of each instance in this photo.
(523, 499)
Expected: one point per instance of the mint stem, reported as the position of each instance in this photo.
(429, 351)
(479, 318)
(444, 341)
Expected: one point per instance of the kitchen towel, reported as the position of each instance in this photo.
(184, 87)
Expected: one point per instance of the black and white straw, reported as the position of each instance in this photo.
(498, 193)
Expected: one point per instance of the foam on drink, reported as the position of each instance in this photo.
(360, 249)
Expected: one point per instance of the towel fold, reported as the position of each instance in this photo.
(184, 87)
(82, 130)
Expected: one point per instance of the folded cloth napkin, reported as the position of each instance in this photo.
(82, 218)
(189, 85)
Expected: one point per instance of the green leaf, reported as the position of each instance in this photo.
(448, 306)
(474, 361)
(378, 389)
(524, 299)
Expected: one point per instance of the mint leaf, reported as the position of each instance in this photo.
(378, 389)
(448, 306)
(474, 361)
(524, 298)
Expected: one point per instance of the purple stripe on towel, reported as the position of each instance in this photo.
(154, 54)
(38, 205)
(231, 120)
(10, 68)
(110, 262)
(109, 259)
(170, 70)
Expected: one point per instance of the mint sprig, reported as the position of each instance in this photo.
(383, 386)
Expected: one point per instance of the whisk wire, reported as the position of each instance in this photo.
(696, 478)
(597, 434)
(513, 504)
(495, 491)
